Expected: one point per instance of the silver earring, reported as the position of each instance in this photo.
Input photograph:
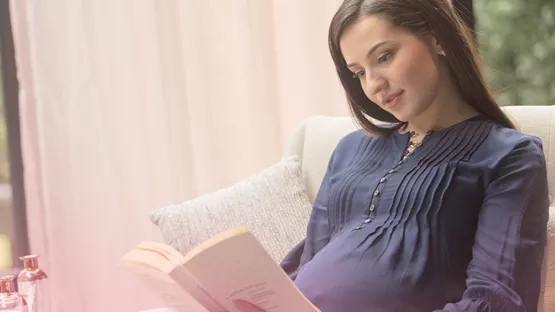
(442, 53)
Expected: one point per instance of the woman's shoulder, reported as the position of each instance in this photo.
(511, 138)
(356, 145)
(352, 139)
(355, 139)
(502, 142)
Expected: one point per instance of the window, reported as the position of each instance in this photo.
(13, 224)
(517, 41)
(5, 192)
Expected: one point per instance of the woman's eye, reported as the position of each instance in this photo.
(385, 57)
(358, 74)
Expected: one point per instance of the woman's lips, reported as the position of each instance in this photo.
(394, 101)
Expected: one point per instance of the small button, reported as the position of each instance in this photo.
(377, 192)
(372, 207)
(358, 227)
(367, 220)
(382, 180)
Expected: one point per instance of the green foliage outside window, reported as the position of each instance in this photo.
(517, 40)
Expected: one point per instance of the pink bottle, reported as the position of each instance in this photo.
(28, 280)
(10, 300)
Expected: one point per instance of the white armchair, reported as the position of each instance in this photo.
(315, 139)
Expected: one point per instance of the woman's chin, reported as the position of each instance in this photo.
(403, 114)
(401, 117)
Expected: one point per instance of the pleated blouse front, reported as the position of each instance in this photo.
(459, 225)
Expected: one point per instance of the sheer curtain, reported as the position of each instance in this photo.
(132, 104)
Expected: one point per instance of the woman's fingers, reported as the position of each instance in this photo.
(245, 306)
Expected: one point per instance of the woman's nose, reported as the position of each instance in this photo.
(374, 84)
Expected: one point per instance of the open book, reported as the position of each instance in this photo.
(230, 266)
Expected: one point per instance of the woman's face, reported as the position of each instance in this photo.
(396, 69)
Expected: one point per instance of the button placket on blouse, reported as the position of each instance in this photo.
(371, 213)
(377, 192)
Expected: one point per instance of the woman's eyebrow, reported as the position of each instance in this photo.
(370, 51)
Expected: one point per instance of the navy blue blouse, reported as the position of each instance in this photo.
(459, 225)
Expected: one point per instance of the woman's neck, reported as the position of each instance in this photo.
(442, 113)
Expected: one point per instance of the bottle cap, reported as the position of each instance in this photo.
(9, 297)
(31, 271)
(30, 262)
(7, 284)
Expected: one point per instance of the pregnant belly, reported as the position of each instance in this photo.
(357, 273)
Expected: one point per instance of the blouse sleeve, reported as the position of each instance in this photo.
(318, 230)
(505, 272)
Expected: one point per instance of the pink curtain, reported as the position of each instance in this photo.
(129, 105)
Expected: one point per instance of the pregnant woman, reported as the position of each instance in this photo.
(438, 203)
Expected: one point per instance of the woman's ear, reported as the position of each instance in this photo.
(436, 46)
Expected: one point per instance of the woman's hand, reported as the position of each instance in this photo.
(245, 306)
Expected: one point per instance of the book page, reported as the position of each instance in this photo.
(159, 265)
(234, 265)
(174, 296)
(196, 289)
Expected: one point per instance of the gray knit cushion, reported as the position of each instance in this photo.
(273, 205)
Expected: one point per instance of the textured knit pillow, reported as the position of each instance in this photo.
(273, 205)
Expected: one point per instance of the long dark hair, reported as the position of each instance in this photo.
(421, 17)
